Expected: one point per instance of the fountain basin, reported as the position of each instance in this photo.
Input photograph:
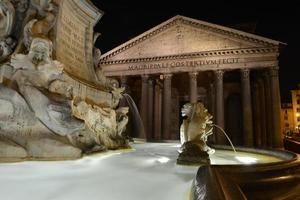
(148, 171)
(269, 174)
(246, 156)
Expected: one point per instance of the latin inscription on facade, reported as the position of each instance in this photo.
(176, 64)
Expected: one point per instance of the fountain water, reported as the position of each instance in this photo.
(137, 120)
(232, 178)
(222, 130)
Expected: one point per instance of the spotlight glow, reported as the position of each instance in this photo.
(176, 145)
(246, 159)
(163, 159)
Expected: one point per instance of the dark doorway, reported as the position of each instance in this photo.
(233, 119)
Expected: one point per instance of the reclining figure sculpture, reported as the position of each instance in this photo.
(44, 116)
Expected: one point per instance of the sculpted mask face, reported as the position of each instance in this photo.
(4, 48)
(41, 4)
(39, 51)
(186, 110)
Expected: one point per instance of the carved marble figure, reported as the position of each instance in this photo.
(194, 132)
(44, 112)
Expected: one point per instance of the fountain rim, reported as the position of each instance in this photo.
(280, 153)
(286, 156)
(289, 159)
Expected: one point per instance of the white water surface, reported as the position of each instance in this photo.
(132, 175)
(148, 172)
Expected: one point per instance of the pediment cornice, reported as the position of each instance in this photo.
(217, 53)
(213, 28)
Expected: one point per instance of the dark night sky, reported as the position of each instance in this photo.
(278, 20)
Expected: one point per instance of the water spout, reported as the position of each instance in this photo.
(225, 136)
(137, 120)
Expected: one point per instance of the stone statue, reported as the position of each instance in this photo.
(40, 118)
(101, 121)
(122, 120)
(108, 83)
(40, 27)
(12, 16)
(7, 18)
(193, 134)
(7, 46)
(42, 6)
(45, 112)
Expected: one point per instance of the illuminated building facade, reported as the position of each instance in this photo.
(287, 117)
(234, 73)
(290, 113)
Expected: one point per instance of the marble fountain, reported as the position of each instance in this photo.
(62, 131)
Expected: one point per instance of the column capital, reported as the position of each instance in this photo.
(145, 77)
(219, 74)
(193, 75)
(167, 76)
(273, 71)
(265, 74)
(245, 73)
(150, 81)
(123, 80)
(158, 83)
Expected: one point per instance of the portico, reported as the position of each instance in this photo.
(184, 59)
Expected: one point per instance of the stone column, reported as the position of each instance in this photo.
(247, 108)
(268, 103)
(150, 109)
(211, 109)
(262, 108)
(277, 141)
(123, 80)
(167, 105)
(219, 94)
(193, 87)
(144, 102)
(257, 113)
(157, 110)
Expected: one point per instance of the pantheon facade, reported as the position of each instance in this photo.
(234, 73)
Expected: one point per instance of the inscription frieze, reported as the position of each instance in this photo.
(176, 64)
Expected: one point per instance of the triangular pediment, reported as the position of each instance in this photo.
(182, 36)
